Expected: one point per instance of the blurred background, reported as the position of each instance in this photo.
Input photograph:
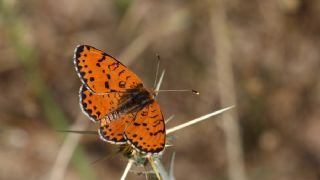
(262, 56)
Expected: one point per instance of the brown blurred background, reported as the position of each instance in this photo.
(262, 56)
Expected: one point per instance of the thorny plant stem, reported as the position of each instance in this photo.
(126, 171)
(171, 176)
(158, 165)
(194, 121)
(154, 167)
(160, 81)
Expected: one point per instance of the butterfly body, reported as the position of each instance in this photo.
(115, 97)
(132, 101)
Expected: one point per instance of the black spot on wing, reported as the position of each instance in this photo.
(78, 51)
(106, 85)
(156, 123)
(121, 72)
(89, 111)
(154, 116)
(83, 96)
(102, 59)
(114, 66)
(144, 113)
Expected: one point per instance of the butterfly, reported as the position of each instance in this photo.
(115, 97)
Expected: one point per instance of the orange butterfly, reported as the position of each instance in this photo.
(115, 97)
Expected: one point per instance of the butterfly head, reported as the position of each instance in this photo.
(152, 92)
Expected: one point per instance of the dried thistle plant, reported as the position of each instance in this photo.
(140, 159)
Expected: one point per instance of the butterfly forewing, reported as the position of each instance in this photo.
(96, 106)
(147, 132)
(101, 72)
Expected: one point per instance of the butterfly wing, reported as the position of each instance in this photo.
(96, 106)
(112, 131)
(147, 132)
(104, 81)
(101, 72)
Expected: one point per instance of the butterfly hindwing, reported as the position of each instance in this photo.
(112, 131)
(101, 72)
(147, 132)
(96, 106)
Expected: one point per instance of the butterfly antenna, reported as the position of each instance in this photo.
(155, 169)
(179, 90)
(157, 71)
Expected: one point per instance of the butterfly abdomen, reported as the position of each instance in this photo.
(113, 115)
(134, 104)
